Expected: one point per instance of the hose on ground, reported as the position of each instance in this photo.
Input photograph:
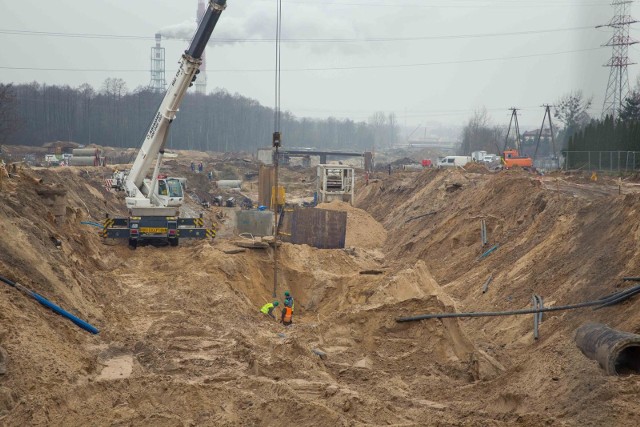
(599, 303)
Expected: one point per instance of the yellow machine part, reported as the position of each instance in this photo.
(281, 195)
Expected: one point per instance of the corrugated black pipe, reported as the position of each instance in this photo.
(618, 353)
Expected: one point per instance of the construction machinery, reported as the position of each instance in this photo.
(154, 204)
(511, 156)
(335, 182)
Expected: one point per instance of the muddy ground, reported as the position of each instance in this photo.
(182, 341)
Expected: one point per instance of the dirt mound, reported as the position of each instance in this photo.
(476, 167)
(567, 241)
(182, 340)
(363, 230)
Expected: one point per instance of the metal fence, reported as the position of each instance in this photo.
(612, 161)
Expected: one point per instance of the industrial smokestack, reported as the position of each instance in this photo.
(201, 82)
(158, 82)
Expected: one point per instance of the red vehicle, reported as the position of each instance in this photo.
(427, 163)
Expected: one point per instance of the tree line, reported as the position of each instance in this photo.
(609, 134)
(113, 116)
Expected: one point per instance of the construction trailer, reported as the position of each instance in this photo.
(335, 182)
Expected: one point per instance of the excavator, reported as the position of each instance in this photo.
(512, 156)
(154, 203)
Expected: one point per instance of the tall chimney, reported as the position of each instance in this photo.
(158, 82)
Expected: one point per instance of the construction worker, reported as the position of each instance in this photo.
(287, 316)
(268, 309)
(288, 300)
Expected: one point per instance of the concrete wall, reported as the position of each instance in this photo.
(320, 228)
(265, 155)
(256, 223)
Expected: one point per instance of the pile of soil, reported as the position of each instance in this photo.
(476, 167)
(182, 341)
(363, 231)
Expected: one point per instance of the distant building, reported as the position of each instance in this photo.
(531, 137)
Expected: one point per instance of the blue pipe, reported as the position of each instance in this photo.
(488, 252)
(42, 300)
(95, 224)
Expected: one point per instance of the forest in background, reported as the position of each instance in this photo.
(33, 114)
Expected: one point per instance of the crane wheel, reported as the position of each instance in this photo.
(133, 243)
(173, 242)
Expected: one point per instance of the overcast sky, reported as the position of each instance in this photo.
(425, 60)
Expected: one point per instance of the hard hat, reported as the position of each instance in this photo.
(275, 303)
(286, 293)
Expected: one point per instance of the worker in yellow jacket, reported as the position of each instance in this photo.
(268, 309)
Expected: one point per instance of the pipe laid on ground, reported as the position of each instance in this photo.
(618, 353)
(321, 354)
(83, 161)
(42, 300)
(488, 252)
(600, 303)
(485, 287)
(538, 303)
(95, 224)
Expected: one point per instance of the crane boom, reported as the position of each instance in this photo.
(138, 196)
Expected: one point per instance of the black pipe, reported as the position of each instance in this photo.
(618, 297)
(618, 353)
(208, 23)
(602, 302)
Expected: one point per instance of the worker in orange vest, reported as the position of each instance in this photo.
(287, 316)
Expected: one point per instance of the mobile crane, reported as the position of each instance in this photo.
(154, 204)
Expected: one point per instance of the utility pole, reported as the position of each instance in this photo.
(277, 143)
(514, 121)
(618, 86)
(547, 113)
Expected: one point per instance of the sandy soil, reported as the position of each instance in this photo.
(182, 342)
(362, 229)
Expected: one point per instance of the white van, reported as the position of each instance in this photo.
(478, 156)
(453, 161)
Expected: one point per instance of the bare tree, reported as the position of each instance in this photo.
(571, 109)
(392, 129)
(479, 134)
(377, 122)
(115, 88)
(385, 129)
(8, 117)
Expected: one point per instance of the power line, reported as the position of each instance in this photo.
(297, 40)
(449, 5)
(360, 67)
